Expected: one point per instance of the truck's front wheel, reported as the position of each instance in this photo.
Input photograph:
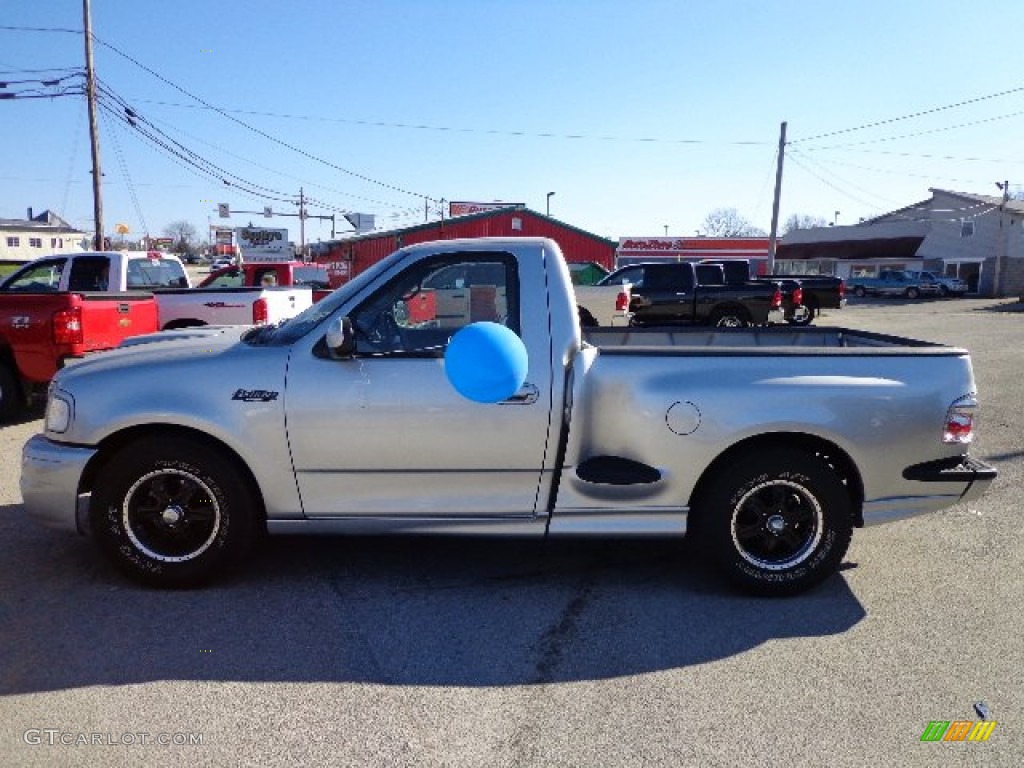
(172, 513)
(776, 524)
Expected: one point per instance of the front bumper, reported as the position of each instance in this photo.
(50, 477)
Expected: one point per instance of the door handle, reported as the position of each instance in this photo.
(527, 395)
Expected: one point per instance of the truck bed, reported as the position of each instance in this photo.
(776, 340)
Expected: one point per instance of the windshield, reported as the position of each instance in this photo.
(304, 322)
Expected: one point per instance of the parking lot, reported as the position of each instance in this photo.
(355, 652)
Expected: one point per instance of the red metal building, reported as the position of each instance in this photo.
(350, 256)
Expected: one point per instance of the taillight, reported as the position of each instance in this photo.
(259, 312)
(622, 301)
(777, 298)
(798, 297)
(959, 426)
(842, 288)
(67, 326)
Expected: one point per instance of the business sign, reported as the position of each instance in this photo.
(263, 244)
(462, 209)
(223, 236)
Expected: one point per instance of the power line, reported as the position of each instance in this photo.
(268, 169)
(127, 178)
(462, 129)
(845, 182)
(829, 184)
(155, 135)
(911, 116)
(921, 133)
(255, 130)
(7, 28)
(925, 156)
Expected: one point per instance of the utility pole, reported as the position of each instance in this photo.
(90, 96)
(1002, 248)
(302, 223)
(772, 237)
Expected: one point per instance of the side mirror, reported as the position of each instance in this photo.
(341, 339)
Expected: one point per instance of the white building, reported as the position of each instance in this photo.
(973, 237)
(42, 235)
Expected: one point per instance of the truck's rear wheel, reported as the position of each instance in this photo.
(12, 398)
(587, 319)
(172, 513)
(911, 293)
(730, 318)
(776, 523)
(860, 291)
(805, 317)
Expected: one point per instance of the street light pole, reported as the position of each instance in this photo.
(549, 203)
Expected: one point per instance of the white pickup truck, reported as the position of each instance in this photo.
(178, 304)
(770, 445)
(606, 303)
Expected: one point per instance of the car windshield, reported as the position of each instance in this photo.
(294, 329)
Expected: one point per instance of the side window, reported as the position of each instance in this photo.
(89, 273)
(230, 279)
(133, 275)
(668, 278)
(44, 277)
(418, 311)
(634, 275)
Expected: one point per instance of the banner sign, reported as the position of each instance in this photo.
(263, 244)
(462, 209)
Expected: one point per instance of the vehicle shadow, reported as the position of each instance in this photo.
(384, 611)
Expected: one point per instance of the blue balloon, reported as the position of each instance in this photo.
(486, 362)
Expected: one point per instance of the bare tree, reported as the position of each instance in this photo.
(803, 221)
(727, 222)
(184, 235)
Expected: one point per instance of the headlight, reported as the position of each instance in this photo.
(59, 411)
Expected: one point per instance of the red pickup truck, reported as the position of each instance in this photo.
(41, 331)
(281, 273)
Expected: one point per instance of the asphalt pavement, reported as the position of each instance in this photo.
(394, 652)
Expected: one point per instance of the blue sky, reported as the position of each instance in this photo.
(638, 116)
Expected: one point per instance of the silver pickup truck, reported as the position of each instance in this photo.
(768, 445)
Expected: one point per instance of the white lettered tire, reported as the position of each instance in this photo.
(776, 522)
(172, 512)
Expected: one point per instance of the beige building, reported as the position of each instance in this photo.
(42, 235)
(973, 237)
